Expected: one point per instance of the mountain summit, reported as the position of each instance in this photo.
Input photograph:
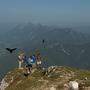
(55, 78)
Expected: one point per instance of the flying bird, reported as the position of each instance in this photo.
(11, 50)
(43, 41)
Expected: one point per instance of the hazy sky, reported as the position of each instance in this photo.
(46, 11)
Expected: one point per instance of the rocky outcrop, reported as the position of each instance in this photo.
(3, 85)
(53, 78)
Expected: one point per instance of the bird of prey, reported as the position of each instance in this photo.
(11, 50)
(43, 41)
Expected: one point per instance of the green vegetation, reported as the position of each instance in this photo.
(38, 80)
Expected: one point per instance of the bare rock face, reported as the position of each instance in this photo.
(53, 78)
(73, 85)
(3, 85)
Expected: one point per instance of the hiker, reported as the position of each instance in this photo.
(28, 66)
(38, 60)
(33, 60)
(20, 60)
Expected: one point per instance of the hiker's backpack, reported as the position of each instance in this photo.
(27, 60)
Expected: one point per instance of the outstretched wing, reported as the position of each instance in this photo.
(8, 49)
(13, 49)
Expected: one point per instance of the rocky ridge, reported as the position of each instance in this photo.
(54, 78)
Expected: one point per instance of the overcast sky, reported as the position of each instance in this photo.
(46, 11)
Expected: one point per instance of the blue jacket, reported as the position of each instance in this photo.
(33, 59)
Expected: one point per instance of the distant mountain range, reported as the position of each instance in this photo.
(71, 55)
(34, 33)
(63, 46)
(84, 29)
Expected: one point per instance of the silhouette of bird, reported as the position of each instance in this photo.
(43, 41)
(11, 50)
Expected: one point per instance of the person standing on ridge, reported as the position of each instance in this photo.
(38, 60)
(28, 65)
(20, 60)
(33, 60)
